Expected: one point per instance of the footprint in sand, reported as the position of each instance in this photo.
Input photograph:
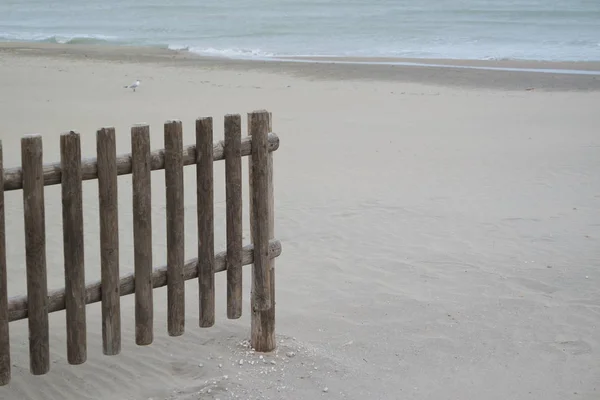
(574, 347)
(534, 285)
(186, 369)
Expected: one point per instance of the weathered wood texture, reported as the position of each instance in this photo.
(142, 234)
(206, 249)
(72, 213)
(35, 253)
(4, 336)
(263, 321)
(17, 306)
(258, 128)
(109, 241)
(233, 193)
(13, 177)
(175, 228)
(71, 171)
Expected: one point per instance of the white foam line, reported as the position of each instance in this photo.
(415, 64)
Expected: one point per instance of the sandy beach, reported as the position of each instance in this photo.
(440, 226)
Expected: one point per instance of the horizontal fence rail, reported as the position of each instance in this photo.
(17, 308)
(13, 177)
(33, 176)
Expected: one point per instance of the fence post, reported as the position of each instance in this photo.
(175, 227)
(35, 254)
(206, 227)
(4, 339)
(142, 234)
(233, 192)
(70, 157)
(109, 240)
(262, 228)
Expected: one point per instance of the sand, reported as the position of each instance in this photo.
(440, 227)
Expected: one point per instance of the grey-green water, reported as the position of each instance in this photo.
(465, 29)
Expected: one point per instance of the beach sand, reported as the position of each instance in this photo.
(440, 227)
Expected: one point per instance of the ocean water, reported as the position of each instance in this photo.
(554, 30)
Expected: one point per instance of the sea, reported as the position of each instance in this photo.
(550, 30)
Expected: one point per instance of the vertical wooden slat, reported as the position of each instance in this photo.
(4, 337)
(262, 321)
(35, 253)
(175, 228)
(206, 251)
(142, 233)
(72, 212)
(258, 128)
(233, 192)
(267, 317)
(109, 241)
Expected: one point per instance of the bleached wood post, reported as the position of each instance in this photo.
(262, 228)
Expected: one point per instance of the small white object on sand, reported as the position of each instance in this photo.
(134, 85)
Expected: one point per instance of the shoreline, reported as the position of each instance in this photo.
(161, 52)
(558, 67)
(491, 74)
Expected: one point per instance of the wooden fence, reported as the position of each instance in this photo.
(72, 170)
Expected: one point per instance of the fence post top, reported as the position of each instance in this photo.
(30, 136)
(105, 129)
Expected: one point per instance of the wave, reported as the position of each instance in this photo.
(237, 53)
(233, 52)
(61, 38)
(114, 40)
(567, 50)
